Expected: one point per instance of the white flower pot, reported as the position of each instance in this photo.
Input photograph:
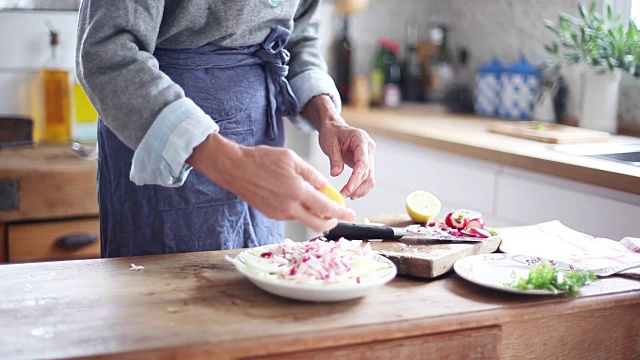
(573, 76)
(600, 100)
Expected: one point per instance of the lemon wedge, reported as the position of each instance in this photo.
(422, 206)
(333, 194)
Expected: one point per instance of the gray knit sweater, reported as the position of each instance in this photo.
(116, 39)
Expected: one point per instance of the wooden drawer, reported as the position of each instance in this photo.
(481, 343)
(37, 241)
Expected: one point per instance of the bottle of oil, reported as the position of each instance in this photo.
(55, 82)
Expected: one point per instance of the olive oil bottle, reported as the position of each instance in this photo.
(55, 83)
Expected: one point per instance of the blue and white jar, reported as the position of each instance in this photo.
(488, 88)
(520, 84)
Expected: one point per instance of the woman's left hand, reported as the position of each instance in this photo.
(343, 144)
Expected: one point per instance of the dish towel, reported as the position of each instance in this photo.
(553, 240)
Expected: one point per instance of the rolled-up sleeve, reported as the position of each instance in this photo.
(143, 107)
(308, 75)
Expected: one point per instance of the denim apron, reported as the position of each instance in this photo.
(245, 91)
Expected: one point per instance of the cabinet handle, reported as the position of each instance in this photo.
(75, 240)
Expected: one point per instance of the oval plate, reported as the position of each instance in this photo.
(320, 292)
(494, 270)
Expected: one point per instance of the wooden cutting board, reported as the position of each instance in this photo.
(547, 132)
(426, 261)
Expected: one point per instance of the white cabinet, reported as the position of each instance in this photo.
(506, 196)
(525, 198)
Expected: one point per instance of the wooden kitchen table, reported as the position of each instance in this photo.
(198, 306)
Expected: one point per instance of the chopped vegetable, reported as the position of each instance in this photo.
(135, 267)
(476, 223)
(492, 231)
(172, 310)
(468, 233)
(456, 220)
(314, 262)
(481, 232)
(546, 277)
(541, 127)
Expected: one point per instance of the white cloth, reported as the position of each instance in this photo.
(553, 240)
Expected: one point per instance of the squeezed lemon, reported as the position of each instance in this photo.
(422, 206)
(333, 194)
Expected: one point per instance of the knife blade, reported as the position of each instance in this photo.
(352, 231)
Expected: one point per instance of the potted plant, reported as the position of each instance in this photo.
(597, 49)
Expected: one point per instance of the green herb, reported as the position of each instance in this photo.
(603, 41)
(546, 277)
(492, 231)
(172, 310)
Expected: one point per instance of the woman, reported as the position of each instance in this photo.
(191, 96)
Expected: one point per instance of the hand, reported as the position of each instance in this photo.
(343, 144)
(275, 181)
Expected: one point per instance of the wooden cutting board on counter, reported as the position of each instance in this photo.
(547, 132)
(426, 261)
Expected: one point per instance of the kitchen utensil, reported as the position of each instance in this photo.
(371, 232)
(83, 152)
(426, 259)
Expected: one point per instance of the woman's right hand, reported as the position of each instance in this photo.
(275, 181)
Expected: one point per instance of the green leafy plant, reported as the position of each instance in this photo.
(605, 42)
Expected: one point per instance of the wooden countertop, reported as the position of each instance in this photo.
(467, 135)
(100, 308)
(53, 183)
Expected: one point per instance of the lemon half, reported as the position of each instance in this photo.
(422, 206)
(333, 194)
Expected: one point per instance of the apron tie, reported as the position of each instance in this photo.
(281, 100)
(271, 54)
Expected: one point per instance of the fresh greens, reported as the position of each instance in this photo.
(546, 277)
(604, 41)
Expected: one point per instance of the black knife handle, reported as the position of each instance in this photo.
(359, 232)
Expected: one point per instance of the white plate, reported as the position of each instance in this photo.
(494, 270)
(319, 293)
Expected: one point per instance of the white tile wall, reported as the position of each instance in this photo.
(24, 47)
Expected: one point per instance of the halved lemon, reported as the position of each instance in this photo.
(422, 206)
(333, 194)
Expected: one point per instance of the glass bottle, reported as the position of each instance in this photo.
(412, 76)
(442, 70)
(392, 76)
(376, 78)
(55, 82)
(343, 62)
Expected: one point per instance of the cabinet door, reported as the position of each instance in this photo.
(55, 240)
(528, 198)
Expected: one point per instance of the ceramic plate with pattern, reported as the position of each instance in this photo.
(496, 270)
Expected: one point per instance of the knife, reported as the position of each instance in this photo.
(351, 231)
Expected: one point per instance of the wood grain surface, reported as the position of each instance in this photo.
(552, 133)
(467, 135)
(100, 308)
(426, 260)
(53, 183)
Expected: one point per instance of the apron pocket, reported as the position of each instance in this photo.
(198, 190)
